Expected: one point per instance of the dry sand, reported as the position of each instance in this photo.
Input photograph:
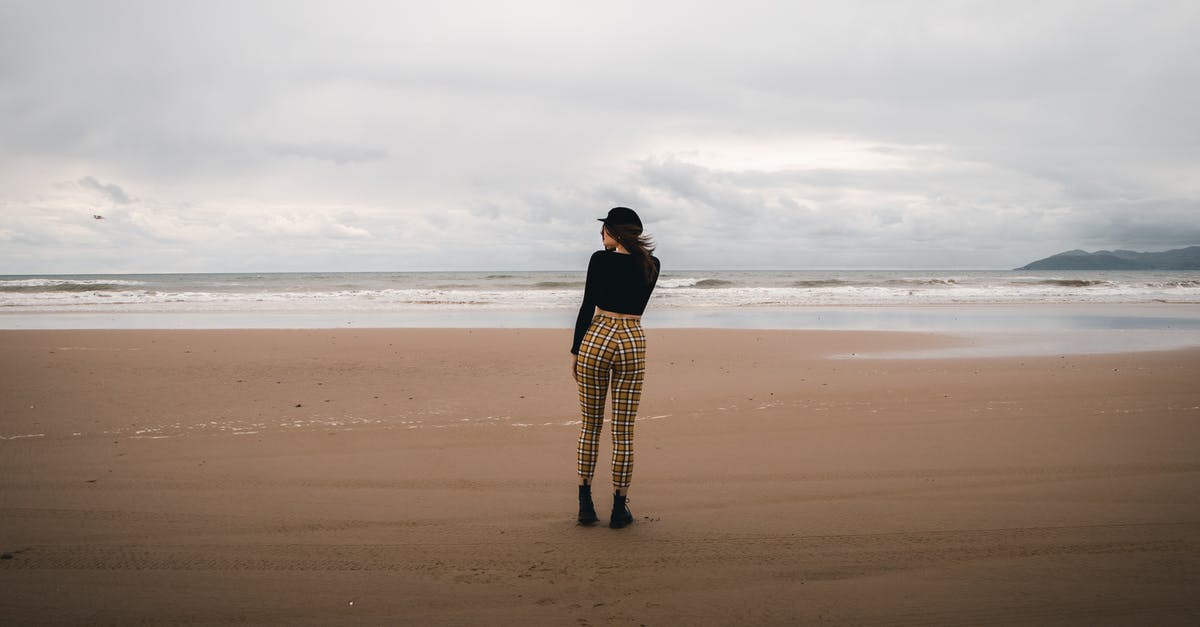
(427, 477)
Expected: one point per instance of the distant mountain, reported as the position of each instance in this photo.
(1178, 259)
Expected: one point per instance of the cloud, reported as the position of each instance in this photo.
(111, 191)
(268, 136)
(306, 225)
(334, 152)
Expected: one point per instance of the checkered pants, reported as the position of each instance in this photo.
(613, 349)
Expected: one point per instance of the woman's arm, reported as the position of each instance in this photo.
(588, 308)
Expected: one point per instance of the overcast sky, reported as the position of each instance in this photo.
(304, 136)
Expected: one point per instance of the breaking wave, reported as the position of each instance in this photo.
(703, 283)
(34, 286)
(1071, 282)
(822, 283)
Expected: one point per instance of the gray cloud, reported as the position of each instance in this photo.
(340, 154)
(111, 191)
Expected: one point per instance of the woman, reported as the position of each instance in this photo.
(609, 347)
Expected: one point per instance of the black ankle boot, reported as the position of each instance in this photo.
(621, 515)
(587, 511)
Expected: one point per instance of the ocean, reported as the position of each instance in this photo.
(940, 301)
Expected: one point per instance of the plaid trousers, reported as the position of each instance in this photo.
(614, 349)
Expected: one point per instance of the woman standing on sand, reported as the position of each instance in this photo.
(610, 346)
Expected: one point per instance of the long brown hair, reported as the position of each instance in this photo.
(640, 245)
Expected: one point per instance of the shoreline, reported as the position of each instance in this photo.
(979, 330)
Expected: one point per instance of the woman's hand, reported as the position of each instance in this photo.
(574, 361)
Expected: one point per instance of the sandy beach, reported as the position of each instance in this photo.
(423, 476)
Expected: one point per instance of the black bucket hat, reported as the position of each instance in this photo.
(622, 215)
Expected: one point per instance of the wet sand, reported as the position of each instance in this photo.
(427, 477)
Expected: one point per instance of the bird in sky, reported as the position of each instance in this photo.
(97, 216)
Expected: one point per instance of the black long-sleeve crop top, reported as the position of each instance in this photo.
(616, 283)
